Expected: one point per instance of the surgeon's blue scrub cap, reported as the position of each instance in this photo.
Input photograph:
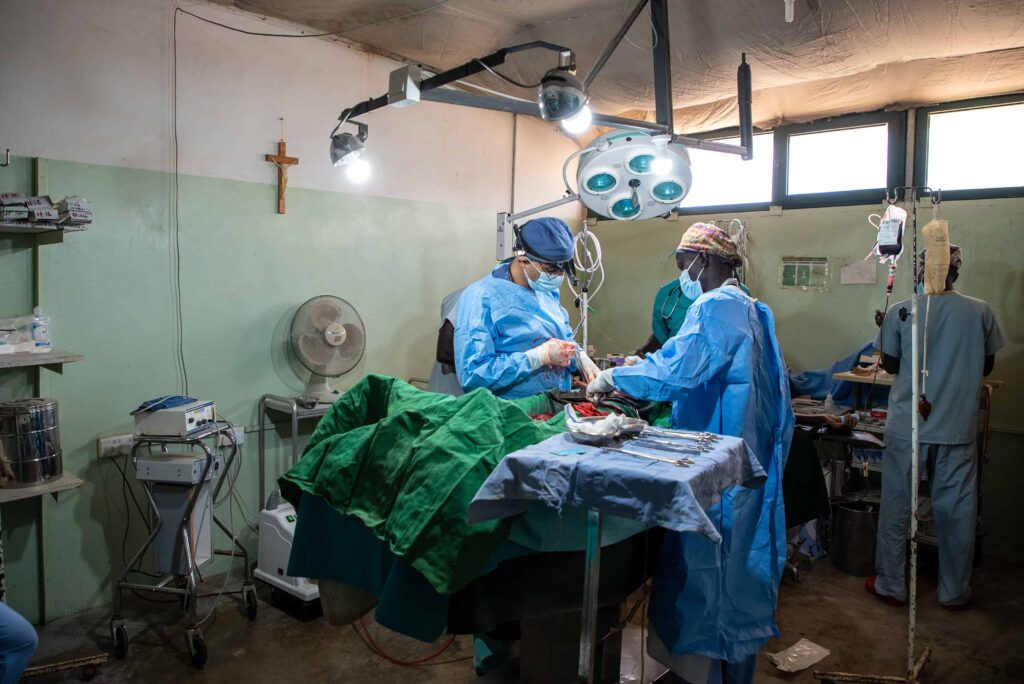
(547, 239)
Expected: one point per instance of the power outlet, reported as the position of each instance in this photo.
(114, 445)
(239, 432)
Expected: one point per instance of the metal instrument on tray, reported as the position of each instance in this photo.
(681, 462)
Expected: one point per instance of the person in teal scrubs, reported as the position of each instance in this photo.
(959, 338)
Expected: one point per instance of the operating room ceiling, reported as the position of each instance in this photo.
(838, 56)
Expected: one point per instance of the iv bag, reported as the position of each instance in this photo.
(889, 245)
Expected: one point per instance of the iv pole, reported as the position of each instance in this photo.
(915, 664)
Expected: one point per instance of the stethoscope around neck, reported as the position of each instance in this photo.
(679, 295)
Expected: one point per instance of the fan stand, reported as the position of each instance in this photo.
(319, 388)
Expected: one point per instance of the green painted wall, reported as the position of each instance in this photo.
(815, 328)
(245, 269)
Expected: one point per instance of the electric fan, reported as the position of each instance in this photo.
(328, 339)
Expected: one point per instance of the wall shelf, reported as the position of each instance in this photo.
(26, 228)
(61, 484)
(55, 357)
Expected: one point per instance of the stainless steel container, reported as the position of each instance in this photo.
(29, 442)
(854, 526)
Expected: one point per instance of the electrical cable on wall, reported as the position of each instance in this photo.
(175, 227)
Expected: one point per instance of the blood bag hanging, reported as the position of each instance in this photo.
(889, 245)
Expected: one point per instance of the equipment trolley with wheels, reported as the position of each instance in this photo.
(182, 488)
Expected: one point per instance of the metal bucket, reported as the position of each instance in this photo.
(29, 442)
(854, 527)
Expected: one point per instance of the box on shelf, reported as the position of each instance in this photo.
(45, 214)
(74, 203)
(39, 202)
(13, 213)
(11, 198)
(75, 216)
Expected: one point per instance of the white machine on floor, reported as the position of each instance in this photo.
(327, 339)
(277, 529)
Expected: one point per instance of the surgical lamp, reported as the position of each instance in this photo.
(634, 175)
(347, 150)
(561, 96)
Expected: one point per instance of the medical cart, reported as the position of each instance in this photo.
(181, 487)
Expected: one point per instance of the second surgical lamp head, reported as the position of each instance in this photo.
(347, 151)
(562, 97)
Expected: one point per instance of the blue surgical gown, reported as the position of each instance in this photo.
(497, 322)
(724, 373)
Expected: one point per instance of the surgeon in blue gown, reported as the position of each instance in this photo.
(511, 333)
(512, 337)
(713, 606)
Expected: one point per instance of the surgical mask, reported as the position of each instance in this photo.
(691, 287)
(545, 282)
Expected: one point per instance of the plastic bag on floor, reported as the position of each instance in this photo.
(799, 656)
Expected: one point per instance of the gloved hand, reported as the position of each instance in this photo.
(632, 360)
(552, 353)
(588, 369)
(602, 384)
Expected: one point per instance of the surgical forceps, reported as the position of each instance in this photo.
(680, 462)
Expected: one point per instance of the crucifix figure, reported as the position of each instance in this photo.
(282, 161)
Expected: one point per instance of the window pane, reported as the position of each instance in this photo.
(720, 178)
(976, 148)
(834, 161)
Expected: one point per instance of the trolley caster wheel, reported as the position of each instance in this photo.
(120, 636)
(197, 651)
(89, 673)
(251, 606)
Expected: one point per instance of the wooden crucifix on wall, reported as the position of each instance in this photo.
(282, 161)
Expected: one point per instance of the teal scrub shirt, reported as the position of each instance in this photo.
(670, 307)
(962, 331)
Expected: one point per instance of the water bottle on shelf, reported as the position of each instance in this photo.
(830, 406)
(40, 332)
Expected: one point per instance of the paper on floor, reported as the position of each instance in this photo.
(799, 656)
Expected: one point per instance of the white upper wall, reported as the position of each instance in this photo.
(90, 81)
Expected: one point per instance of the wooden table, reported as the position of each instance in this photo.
(882, 380)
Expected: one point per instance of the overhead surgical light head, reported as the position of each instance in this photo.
(634, 175)
(347, 150)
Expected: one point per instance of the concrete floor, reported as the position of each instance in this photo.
(983, 645)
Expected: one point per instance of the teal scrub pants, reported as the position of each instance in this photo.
(953, 478)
